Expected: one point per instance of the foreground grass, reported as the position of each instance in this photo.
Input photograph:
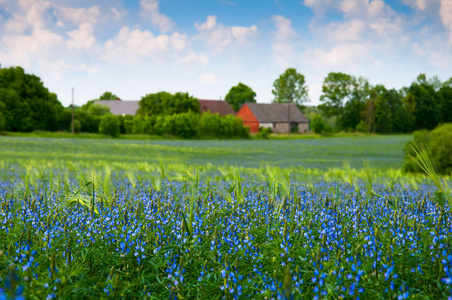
(164, 235)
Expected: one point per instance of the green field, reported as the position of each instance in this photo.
(381, 152)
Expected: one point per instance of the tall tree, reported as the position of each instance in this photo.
(390, 113)
(290, 88)
(445, 93)
(337, 89)
(27, 104)
(239, 95)
(355, 107)
(427, 113)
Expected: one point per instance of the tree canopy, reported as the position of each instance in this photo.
(25, 103)
(108, 96)
(337, 89)
(164, 103)
(290, 88)
(239, 95)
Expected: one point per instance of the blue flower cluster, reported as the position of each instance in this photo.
(207, 241)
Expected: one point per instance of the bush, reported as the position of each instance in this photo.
(109, 125)
(439, 143)
(409, 165)
(361, 127)
(328, 129)
(210, 125)
(441, 148)
(77, 126)
(182, 125)
(264, 132)
(126, 124)
(89, 122)
(317, 124)
(232, 126)
(2, 122)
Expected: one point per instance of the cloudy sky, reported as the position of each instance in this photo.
(205, 47)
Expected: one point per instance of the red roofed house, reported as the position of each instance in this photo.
(216, 106)
(274, 116)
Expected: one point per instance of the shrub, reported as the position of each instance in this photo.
(317, 124)
(89, 122)
(232, 126)
(441, 148)
(423, 136)
(264, 132)
(182, 125)
(126, 124)
(361, 127)
(109, 125)
(2, 122)
(77, 126)
(210, 125)
(327, 129)
(439, 143)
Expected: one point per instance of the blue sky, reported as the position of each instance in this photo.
(133, 48)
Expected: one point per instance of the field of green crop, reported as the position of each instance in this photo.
(382, 152)
(330, 218)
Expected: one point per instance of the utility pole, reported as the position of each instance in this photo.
(72, 123)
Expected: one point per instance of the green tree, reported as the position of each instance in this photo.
(28, 105)
(290, 88)
(445, 93)
(317, 124)
(390, 114)
(108, 96)
(239, 95)
(427, 113)
(164, 103)
(337, 89)
(98, 110)
(109, 125)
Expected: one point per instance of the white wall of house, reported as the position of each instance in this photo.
(266, 125)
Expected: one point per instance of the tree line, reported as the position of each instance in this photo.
(348, 103)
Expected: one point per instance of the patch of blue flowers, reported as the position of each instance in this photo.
(205, 242)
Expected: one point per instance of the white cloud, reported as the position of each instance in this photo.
(218, 36)
(319, 6)
(136, 45)
(193, 58)
(79, 15)
(82, 38)
(32, 15)
(151, 11)
(340, 56)
(347, 31)
(210, 23)
(24, 49)
(241, 34)
(208, 78)
(446, 16)
(418, 4)
(282, 41)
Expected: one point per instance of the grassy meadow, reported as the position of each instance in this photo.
(382, 152)
(330, 218)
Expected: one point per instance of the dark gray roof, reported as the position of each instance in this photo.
(276, 113)
(216, 106)
(119, 107)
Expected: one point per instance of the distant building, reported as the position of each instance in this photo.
(216, 106)
(121, 108)
(274, 116)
